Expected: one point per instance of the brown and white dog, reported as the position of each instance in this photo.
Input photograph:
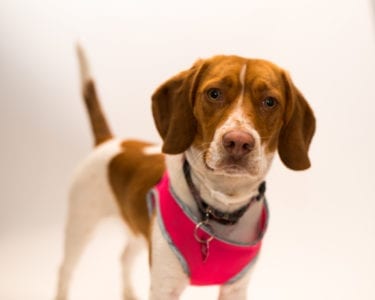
(226, 116)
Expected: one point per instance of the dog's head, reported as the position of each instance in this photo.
(230, 114)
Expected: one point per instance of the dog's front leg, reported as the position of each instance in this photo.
(168, 279)
(236, 290)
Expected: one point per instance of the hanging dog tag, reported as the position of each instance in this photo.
(204, 242)
(205, 250)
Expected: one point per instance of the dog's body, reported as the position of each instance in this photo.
(225, 117)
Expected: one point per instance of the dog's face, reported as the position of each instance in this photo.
(231, 114)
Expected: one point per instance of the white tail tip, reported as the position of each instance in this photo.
(83, 65)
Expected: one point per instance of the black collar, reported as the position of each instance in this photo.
(210, 213)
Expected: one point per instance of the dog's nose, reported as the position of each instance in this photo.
(238, 143)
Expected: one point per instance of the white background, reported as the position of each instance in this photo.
(321, 239)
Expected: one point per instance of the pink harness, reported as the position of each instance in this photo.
(226, 261)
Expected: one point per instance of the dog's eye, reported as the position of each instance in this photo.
(214, 94)
(269, 102)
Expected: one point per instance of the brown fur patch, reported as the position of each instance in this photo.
(132, 174)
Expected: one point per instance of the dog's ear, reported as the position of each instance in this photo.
(298, 128)
(172, 108)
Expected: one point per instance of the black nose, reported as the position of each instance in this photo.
(238, 143)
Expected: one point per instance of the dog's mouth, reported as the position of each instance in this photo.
(234, 169)
(230, 166)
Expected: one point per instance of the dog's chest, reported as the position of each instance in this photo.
(205, 257)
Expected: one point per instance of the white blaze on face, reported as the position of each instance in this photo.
(242, 81)
(237, 118)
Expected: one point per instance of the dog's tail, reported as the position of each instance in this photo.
(99, 124)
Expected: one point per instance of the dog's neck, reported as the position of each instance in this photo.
(223, 193)
(226, 194)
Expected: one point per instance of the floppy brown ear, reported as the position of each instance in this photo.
(298, 129)
(172, 108)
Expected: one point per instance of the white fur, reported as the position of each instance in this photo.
(168, 279)
(84, 66)
(242, 82)
(152, 150)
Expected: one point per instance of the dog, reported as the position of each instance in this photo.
(197, 201)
